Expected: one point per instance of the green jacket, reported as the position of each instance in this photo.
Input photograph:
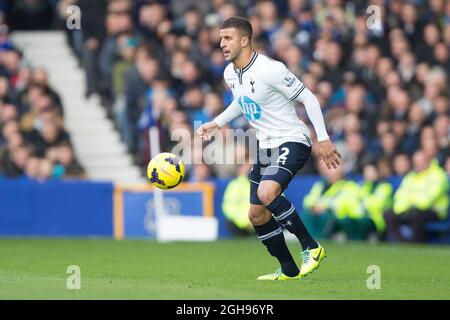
(236, 204)
(377, 198)
(423, 190)
(348, 199)
(323, 195)
(348, 203)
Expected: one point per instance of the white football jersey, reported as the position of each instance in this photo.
(265, 90)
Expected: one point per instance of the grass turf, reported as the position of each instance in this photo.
(140, 269)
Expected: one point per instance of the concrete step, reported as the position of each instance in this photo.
(77, 117)
(80, 119)
(121, 179)
(96, 134)
(103, 157)
(40, 36)
(92, 127)
(112, 168)
(120, 161)
(66, 77)
(100, 148)
(107, 174)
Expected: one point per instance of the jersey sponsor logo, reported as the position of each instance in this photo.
(251, 110)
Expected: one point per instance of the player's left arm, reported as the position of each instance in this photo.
(289, 85)
(327, 149)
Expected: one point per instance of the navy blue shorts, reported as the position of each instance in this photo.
(279, 164)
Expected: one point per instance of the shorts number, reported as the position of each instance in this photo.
(283, 157)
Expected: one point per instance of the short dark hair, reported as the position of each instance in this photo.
(239, 23)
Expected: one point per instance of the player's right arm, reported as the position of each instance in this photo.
(327, 150)
(208, 129)
(291, 87)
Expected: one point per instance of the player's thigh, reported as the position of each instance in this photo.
(285, 162)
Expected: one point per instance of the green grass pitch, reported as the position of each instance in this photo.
(141, 269)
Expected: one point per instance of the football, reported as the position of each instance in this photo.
(165, 171)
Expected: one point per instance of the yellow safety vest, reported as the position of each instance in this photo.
(236, 204)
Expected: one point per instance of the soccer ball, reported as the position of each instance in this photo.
(165, 171)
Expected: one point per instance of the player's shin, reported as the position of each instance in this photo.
(272, 237)
(286, 215)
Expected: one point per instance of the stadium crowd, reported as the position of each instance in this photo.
(383, 87)
(33, 141)
(384, 91)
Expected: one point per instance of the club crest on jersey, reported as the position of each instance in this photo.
(250, 109)
(289, 79)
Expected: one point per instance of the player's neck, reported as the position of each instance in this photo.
(243, 59)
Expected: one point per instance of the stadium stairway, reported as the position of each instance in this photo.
(97, 144)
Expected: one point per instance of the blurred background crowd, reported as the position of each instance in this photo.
(384, 92)
(33, 141)
(384, 89)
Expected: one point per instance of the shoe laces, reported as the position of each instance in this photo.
(306, 256)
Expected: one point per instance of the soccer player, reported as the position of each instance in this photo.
(264, 91)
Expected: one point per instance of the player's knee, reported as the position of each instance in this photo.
(256, 215)
(266, 195)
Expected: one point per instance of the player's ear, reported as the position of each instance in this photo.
(244, 41)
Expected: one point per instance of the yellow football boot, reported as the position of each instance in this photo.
(312, 259)
(277, 275)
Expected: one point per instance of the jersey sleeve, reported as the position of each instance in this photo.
(230, 113)
(284, 81)
(314, 112)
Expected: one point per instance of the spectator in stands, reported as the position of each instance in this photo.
(354, 154)
(441, 128)
(62, 155)
(39, 77)
(46, 170)
(359, 208)
(333, 68)
(376, 198)
(447, 166)
(200, 173)
(50, 135)
(32, 168)
(319, 203)
(126, 50)
(394, 76)
(388, 145)
(401, 164)
(32, 15)
(93, 26)
(235, 203)
(421, 198)
(13, 161)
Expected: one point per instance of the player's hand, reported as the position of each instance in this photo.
(207, 130)
(329, 154)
